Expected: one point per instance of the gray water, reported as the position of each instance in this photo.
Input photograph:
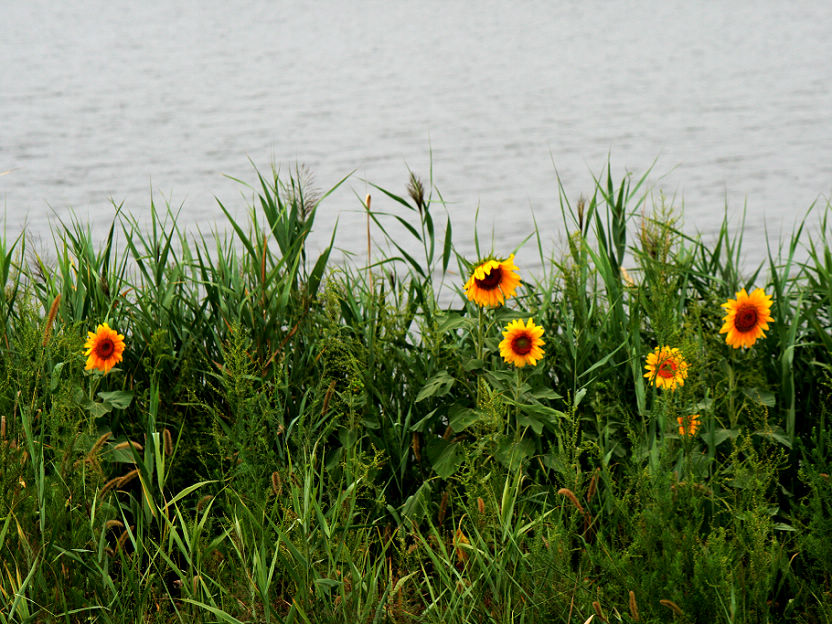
(110, 102)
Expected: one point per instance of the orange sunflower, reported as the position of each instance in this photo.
(492, 282)
(521, 343)
(666, 368)
(746, 317)
(104, 348)
(688, 424)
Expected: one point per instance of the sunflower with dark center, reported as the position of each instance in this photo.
(492, 282)
(666, 368)
(746, 318)
(104, 348)
(521, 343)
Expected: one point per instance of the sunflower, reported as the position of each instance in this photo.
(104, 348)
(666, 368)
(521, 343)
(688, 424)
(492, 282)
(746, 317)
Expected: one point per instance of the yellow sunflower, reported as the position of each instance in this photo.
(521, 343)
(666, 368)
(746, 317)
(688, 424)
(492, 282)
(104, 348)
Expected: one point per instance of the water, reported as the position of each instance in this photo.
(101, 102)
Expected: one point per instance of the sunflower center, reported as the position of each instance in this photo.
(491, 280)
(104, 348)
(521, 345)
(667, 369)
(745, 318)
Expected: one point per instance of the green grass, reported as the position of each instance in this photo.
(291, 438)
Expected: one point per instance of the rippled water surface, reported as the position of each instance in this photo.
(101, 102)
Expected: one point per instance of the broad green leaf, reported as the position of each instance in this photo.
(438, 385)
(416, 505)
(451, 322)
(546, 394)
(763, 397)
(56, 376)
(777, 435)
(510, 453)
(537, 416)
(444, 456)
(719, 436)
(120, 399)
(459, 418)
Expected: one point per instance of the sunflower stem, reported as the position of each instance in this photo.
(516, 394)
(480, 332)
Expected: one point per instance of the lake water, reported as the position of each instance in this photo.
(101, 102)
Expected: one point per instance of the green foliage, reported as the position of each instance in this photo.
(292, 439)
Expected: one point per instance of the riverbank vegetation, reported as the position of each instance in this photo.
(231, 429)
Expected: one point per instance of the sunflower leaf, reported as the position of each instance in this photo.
(444, 456)
(763, 397)
(473, 364)
(546, 393)
(511, 452)
(460, 418)
(120, 399)
(438, 385)
(537, 416)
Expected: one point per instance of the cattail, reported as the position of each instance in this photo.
(672, 606)
(443, 507)
(128, 477)
(480, 505)
(168, 438)
(50, 321)
(448, 433)
(113, 524)
(98, 444)
(626, 277)
(461, 540)
(122, 539)
(123, 445)
(3, 427)
(597, 606)
(277, 484)
(417, 450)
(571, 496)
(109, 485)
(633, 606)
(203, 501)
(592, 485)
(327, 397)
